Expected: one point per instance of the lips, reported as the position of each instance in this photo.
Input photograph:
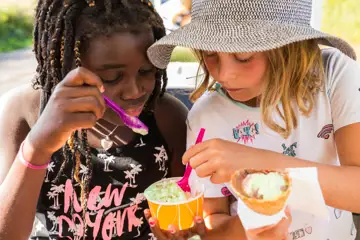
(134, 111)
(233, 89)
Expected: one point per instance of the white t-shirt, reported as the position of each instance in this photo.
(337, 105)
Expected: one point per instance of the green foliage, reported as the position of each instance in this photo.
(182, 55)
(15, 30)
(342, 18)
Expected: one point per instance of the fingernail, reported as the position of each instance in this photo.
(152, 222)
(171, 229)
(102, 89)
(198, 219)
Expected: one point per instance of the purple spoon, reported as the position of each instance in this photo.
(133, 123)
(183, 183)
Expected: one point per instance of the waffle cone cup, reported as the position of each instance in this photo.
(265, 207)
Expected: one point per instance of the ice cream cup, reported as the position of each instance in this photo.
(180, 214)
(265, 207)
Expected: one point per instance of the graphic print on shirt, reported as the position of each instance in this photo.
(328, 93)
(50, 168)
(300, 233)
(54, 192)
(353, 230)
(110, 220)
(161, 158)
(55, 226)
(38, 227)
(141, 144)
(115, 203)
(107, 161)
(152, 236)
(131, 175)
(77, 231)
(246, 132)
(289, 151)
(225, 191)
(326, 131)
(337, 213)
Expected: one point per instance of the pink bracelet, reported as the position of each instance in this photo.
(26, 163)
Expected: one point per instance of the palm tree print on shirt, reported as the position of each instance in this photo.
(50, 168)
(83, 171)
(141, 222)
(161, 157)
(54, 220)
(131, 175)
(141, 144)
(107, 161)
(54, 194)
(77, 230)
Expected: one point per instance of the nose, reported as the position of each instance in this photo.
(132, 90)
(226, 68)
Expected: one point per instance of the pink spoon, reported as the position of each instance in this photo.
(133, 123)
(183, 183)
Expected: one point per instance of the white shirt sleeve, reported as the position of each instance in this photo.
(343, 88)
(211, 190)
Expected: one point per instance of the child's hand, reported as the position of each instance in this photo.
(76, 103)
(173, 233)
(219, 159)
(278, 231)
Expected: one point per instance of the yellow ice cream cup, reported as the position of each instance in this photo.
(180, 214)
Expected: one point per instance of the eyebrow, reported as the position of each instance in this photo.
(111, 66)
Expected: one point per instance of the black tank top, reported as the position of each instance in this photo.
(116, 202)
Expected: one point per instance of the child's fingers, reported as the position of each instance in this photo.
(154, 226)
(199, 228)
(174, 233)
(288, 214)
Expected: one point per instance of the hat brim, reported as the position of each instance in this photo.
(234, 37)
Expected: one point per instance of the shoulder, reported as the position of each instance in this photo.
(170, 108)
(204, 106)
(21, 103)
(18, 113)
(171, 114)
(338, 66)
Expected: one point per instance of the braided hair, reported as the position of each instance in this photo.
(62, 31)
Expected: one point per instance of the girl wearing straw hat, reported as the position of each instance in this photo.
(271, 98)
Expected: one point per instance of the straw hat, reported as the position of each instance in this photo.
(244, 26)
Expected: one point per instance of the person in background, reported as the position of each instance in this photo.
(184, 16)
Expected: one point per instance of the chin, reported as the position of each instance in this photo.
(241, 97)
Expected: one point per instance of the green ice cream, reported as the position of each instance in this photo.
(166, 191)
(264, 186)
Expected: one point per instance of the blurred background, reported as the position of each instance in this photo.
(17, 63)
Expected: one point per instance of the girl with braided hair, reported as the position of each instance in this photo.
(75, 167)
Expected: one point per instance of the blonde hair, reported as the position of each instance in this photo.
(295, 73)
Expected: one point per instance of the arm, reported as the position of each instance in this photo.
(76, 103)
(339, 184)
(171, 118)
(219, 222)
(15, 186)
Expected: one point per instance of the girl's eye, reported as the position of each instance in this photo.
(113, 81)
(145, 72)
(243, 59)
(209, 54)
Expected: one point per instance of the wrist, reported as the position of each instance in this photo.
(34, 155)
